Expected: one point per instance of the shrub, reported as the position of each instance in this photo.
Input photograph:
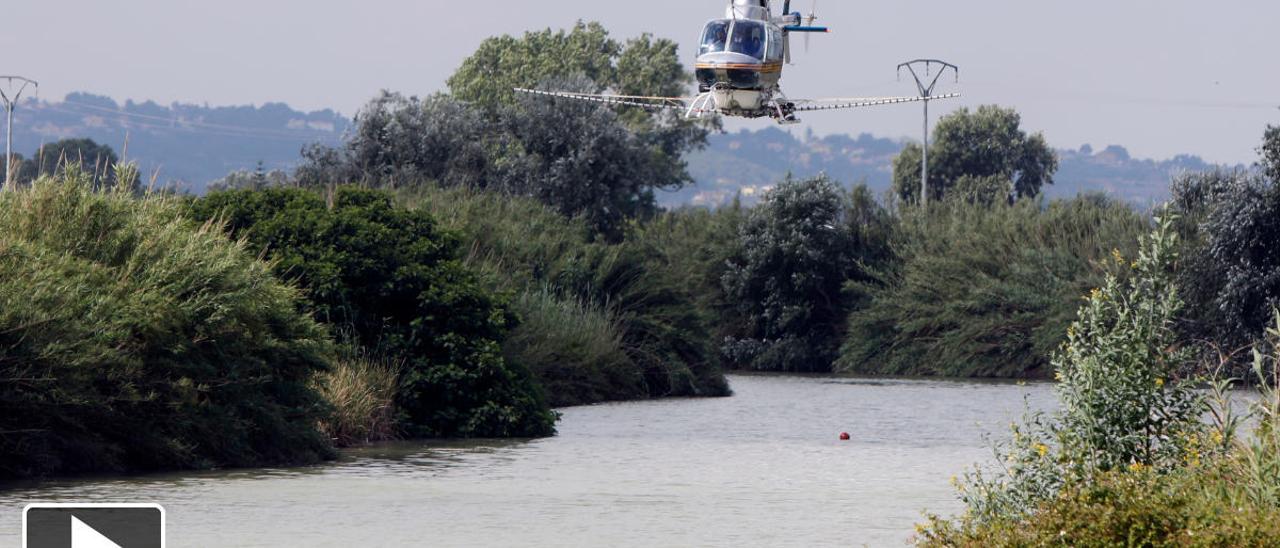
(394, 278)
(983, 291)
(574, 348)
(793, 256)
(522, 246)
(1232, 277)
(1123, 409)
(132, 338)
(1125, 508)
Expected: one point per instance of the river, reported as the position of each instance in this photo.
(763, 468)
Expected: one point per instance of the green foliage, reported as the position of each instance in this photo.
(578, 157)
(1211, 498)
(503, 63)
(1121, 404)
(393, 277)
(987, 143)
(1232, 276)
(1123, 407)
(794, 253)
(583, 159)
(134, 339)
(1129, 508)
(602, 301)
(574, 348)
(983, 291)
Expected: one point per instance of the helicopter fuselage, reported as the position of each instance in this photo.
(740, 59)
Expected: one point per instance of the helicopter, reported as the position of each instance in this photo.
(738, 69)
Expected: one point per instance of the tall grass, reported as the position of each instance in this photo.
(986, 291)
(574, 347)
(362, 392)
(619, 312)
(132, 338)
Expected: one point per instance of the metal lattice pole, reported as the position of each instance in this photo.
(926, 92)
(10, 82)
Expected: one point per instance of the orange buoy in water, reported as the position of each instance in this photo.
(844, 436)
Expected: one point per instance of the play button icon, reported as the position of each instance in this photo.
(93, 526)
(83, 536)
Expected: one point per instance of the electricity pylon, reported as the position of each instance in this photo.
(926, 92)
(10, 83)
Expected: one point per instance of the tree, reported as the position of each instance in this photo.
(984, 144)
(1270, 152)
(1232, 277)
(393, 278)
(794, 255)
(600, 162)
(502, 63)
(97, 160)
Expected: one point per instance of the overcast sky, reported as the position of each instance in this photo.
(1159, 76)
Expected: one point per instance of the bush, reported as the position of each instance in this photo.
(793, 256)
(132, 339)
(1122, 404)
(1232, 277)
(394, 278)
(1222, 499)
(574, 348)
(984, 291)
(522, 246)
(1125, 508)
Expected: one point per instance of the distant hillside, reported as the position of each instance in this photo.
(193, 145)
(190, 145)
(751, 161)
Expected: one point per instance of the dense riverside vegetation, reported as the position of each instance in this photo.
(1129, 458)
(597, 321)
(984, 290)
(467, 261)
(393, 279)
(133, 338)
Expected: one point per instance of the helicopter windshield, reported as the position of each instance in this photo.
(748, 38)
(715, 36)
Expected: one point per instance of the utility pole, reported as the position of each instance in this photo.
(10, 83)
(926, 93)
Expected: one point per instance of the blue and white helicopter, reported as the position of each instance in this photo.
(739, 66)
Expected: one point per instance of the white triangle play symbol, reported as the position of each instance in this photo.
(83, 536)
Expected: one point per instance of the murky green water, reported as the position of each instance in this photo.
(764, 468)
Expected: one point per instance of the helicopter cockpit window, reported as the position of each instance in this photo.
(774, 50)
(748, 38)
(715, 37)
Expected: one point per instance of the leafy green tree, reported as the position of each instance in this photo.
(1232, 276)
(794, 256)
(603, 163)
(501, 63)
(986, 144)
(394, 279)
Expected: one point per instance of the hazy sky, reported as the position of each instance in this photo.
(1160, 77)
